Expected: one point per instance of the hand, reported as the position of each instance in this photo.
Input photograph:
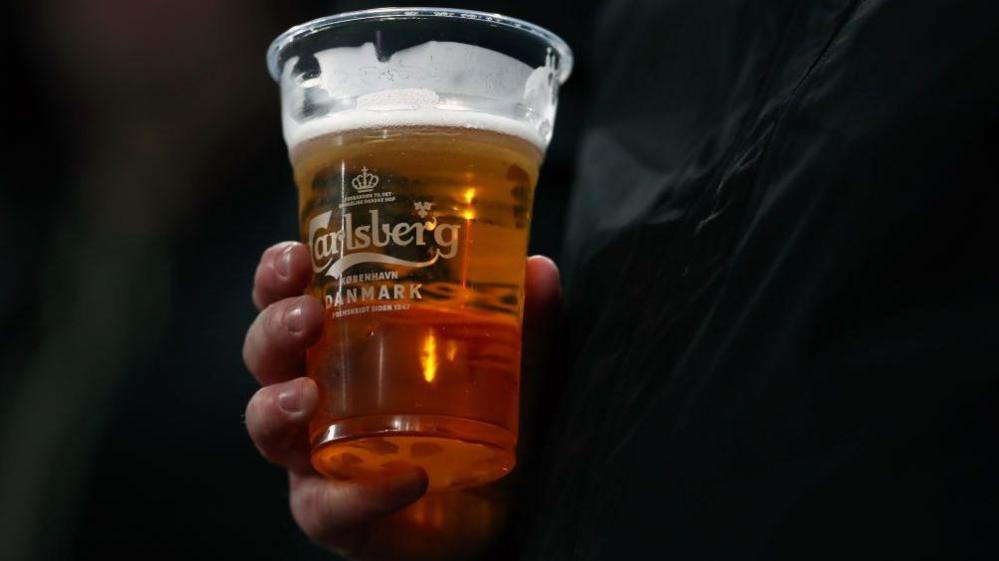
(336, 514)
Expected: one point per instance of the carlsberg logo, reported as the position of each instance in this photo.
(337, 249)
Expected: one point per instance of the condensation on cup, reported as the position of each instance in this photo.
(416, 136)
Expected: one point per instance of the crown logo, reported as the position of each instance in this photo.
(364, 182)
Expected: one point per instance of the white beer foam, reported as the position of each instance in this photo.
(427, 85)
(358, 119)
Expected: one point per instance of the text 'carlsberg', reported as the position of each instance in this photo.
(337, 250)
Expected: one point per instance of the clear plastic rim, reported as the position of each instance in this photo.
(324, 23)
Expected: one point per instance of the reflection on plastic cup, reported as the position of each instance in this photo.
(416, 136)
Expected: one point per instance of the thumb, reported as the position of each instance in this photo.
(337, 513)
(542, 302)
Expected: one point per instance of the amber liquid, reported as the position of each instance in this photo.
(418, 364)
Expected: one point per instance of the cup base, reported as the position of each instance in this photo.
(455, 452)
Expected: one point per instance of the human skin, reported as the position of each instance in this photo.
(351, 517)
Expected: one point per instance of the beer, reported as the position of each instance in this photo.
(416, 135)
(420, 356)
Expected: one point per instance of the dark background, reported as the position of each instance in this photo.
(144, 176)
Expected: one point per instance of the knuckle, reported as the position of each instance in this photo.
(264, 339)
(271, 348)
(260, 284)
(265, 268)
(259, 399)
(273, 323)
(273, 250)
(255, 414)
(255, 344)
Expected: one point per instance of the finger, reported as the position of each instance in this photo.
(336, 513)
(542, 300)
(274, 349)
(277, 418)
(283, 272)
(539, 383)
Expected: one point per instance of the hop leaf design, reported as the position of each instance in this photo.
(422, 208)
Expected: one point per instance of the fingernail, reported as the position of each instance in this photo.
(294, 319)
(283, 265)
(290, 400)
(409, 483)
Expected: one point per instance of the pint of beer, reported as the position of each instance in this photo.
(416, 136)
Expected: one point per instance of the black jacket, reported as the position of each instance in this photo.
(781, 273)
